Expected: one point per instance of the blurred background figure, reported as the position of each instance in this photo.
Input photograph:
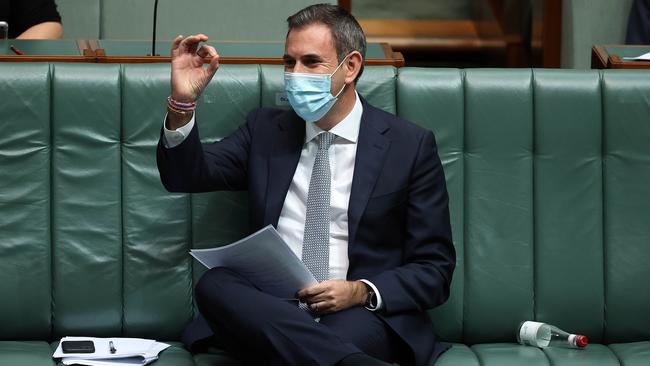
(31, 19)
(638, 25)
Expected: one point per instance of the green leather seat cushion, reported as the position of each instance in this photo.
(458, 354)
(37, 353)
(632, 354)
(593, 355)
(503, 354)
(27, 353)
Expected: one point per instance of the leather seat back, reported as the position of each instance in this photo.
(547, 174)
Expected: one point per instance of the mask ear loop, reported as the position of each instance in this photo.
(332, 74)
(340, 91)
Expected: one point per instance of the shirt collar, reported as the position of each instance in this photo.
(348, 128)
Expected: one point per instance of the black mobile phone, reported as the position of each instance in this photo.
(78, 347)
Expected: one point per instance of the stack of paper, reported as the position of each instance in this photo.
(127, 351)
(263, 258)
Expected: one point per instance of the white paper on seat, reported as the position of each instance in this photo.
(112, 362)
(129, 351)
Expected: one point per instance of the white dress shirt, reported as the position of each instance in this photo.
(342, 155)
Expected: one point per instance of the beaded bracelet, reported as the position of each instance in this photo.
(180, 106)
(178, 111)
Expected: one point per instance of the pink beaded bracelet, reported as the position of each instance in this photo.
(181, 106)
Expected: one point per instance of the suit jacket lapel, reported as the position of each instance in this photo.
(286, 146)
(371, 152)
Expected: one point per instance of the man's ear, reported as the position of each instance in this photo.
(352, 66)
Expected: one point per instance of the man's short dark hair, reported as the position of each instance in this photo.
(346, 31)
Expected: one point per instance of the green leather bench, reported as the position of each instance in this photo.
(548, 174)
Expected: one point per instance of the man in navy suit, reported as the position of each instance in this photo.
(638, 25)
(354, 191)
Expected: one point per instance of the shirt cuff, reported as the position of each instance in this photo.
(173, 138)
(380, 303)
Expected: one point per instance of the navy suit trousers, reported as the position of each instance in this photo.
(262, 329)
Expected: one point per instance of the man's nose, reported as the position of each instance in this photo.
(300, 68)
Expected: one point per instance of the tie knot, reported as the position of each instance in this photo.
(325, 140)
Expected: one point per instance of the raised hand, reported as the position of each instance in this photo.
(189, 77)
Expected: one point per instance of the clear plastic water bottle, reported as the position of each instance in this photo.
(545, 335)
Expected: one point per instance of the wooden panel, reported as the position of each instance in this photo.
(403, 34)
(552, 33)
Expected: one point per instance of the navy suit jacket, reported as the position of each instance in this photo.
(398, 216)
(638, 24)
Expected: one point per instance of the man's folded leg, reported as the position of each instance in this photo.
(265, 324)
(368, 332)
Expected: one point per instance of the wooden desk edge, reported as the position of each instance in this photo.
(397, 61)
(46, 58)
(615, 62)
(600, 59)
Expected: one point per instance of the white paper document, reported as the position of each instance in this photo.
(128, 351)
(644, 57)
(264, 259)
(110, 362)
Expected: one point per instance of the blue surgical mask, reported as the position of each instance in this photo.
(309, 94)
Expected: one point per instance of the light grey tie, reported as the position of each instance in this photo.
(315, 245)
